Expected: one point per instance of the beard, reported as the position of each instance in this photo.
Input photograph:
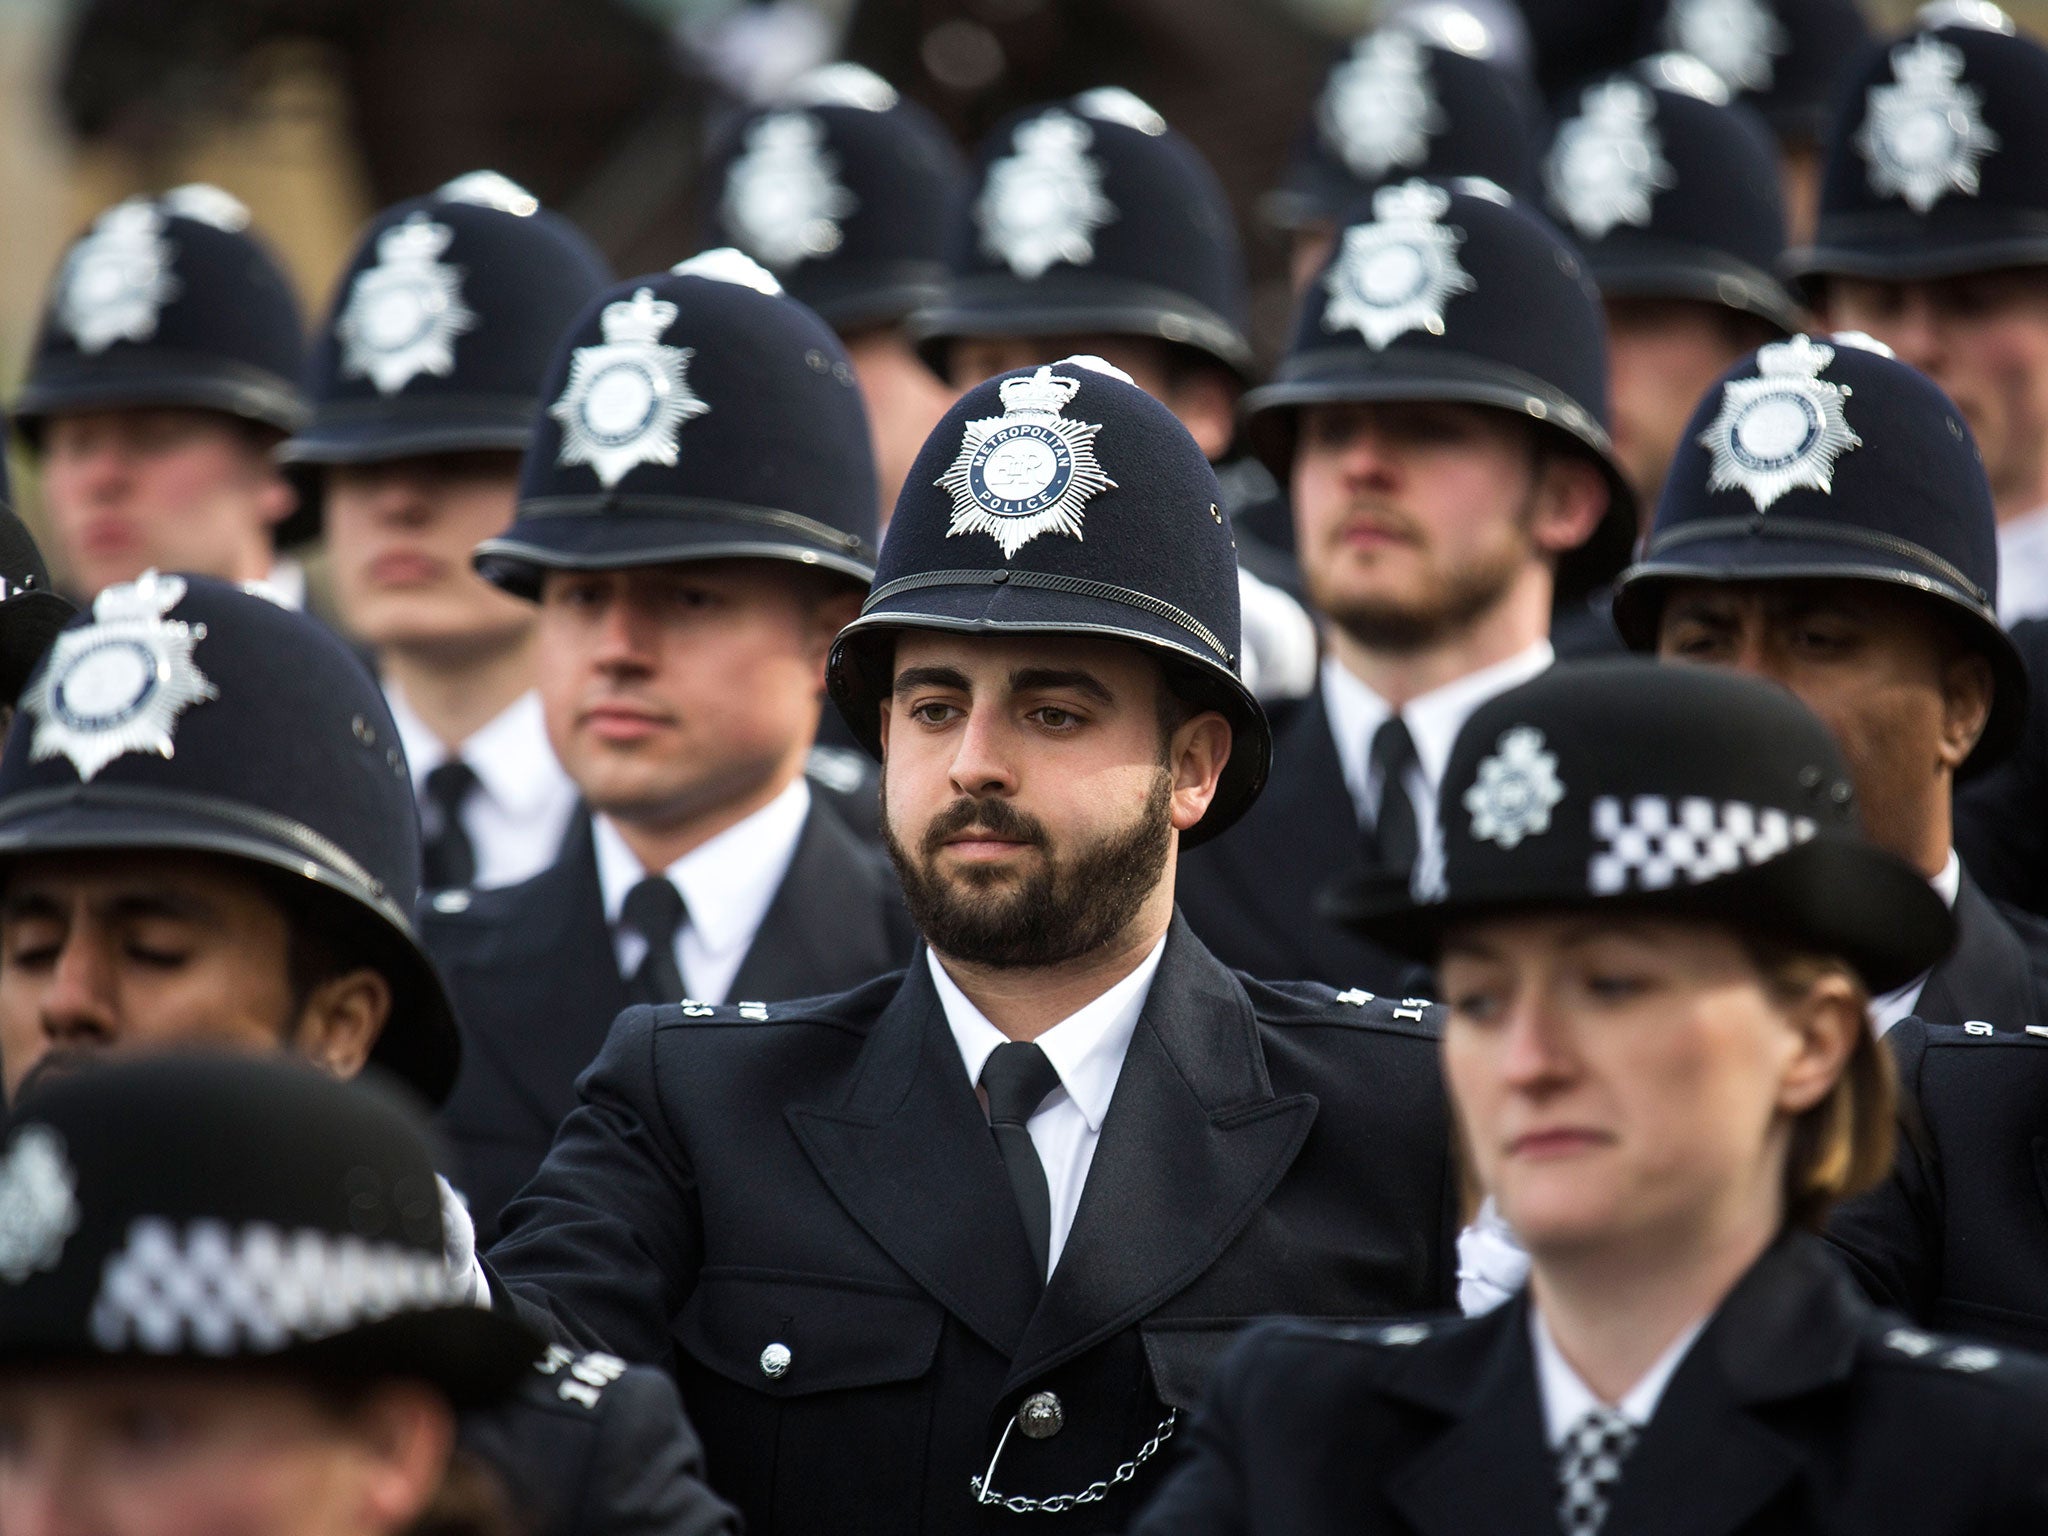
(1064, 906)
(1444, 603)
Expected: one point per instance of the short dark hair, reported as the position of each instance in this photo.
(327, 935)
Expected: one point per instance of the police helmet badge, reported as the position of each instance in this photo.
(1516, 790)
(628, 395)
(117, 279)
(1044, 201)
(1397, 273)
(404, 313)
(490, 189)
(205, 203)
(1924, 136)
(1740, 40)
(1782, 430)
(1030, 470)
(38, 1203)
(1379, 108)
(783, 196)
(1608, 163)
(118, 684)
(1114, 104)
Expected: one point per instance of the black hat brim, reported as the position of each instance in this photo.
(1898, 247)
(1669, 270)
(1075, 304)
(1831, 895)
(163, 380)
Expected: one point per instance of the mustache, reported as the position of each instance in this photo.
(998, 818)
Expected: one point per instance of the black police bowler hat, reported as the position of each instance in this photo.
(1091, 216)
(1671, 192)
(1938, 163)
(168, 301)
(846, 192)
(236, 1210)
(1828, 459)
(440, 330)
(1679, 791)
(31, 609)
(1064, 500)
(1457, 292)
(698, 414)
(1785, 59)
(186, 713)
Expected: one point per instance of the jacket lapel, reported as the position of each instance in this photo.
(1987, 976)
(1193, 1143)
(824, 931)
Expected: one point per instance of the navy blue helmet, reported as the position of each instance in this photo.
(1786, 59)
(1826, 458)
(697, 414)
(168, 301)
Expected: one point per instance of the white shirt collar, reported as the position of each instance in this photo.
(2023, 567)
(509, 753)
(1086, 1048)
(284, 584)
(1892, 1006)
(1566, 1397)
(727, 882)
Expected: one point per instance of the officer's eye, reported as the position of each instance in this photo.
(1616, 986)
(1052, 717)
(31, 945)
(1475, 1005)
(934, 712)
(1694, 641)
(1822, 636)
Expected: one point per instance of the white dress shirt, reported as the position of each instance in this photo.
(2023, 567)
(1896, 1004)
(727, 883)
(521, 806)
(284, 584)
(1566, 1397)
(1087, 1049)
(1434, 720)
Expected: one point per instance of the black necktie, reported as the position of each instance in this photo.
(1017, 1076)
(654, 910)
(1395, 839)
(1589, 1467)
(447, 857)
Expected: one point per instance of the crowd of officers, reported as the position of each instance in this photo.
(553, 979)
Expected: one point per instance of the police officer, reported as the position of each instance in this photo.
(423, 385)
(1440, 422)
(696, 521)
(897, 1305)
(165, 370)
(1669, 192)
(1654, 923)
(1827, 524)
(848, 194)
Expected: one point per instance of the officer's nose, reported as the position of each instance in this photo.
(1915, 332)
(1367, 454)
(982, 765)
(401, 498)
(1536, 1052)
(625, 639)
(78, 1003)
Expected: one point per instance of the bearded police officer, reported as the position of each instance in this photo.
(166, 369)
(424, 384)
(898, 1304)
(696, 522)
(1440, 421)
(848, 194)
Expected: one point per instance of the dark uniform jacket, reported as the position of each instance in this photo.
(1994, 972)
(1799, 1409)
(535, 978)
(1252, 895)
(803, 1210)
(2002, 815)
(1958, 1236)
(594, 1447)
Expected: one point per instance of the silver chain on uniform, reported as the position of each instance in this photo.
(1060, 1503)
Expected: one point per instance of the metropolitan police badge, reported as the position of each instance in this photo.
(783, 197)
(1740, 40)
(1924, 136)
(1516, 790)
(628, 395)
(1397, 273)
(1608, 163)
(403, 314)
(117, 279)
(1028, 471)
(1044, 202)
(1379, 108)
(118, 684)
(1782, 430)
(38, 1203)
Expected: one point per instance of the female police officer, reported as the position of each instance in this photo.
(1654, 923)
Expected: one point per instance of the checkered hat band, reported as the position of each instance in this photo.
(209, 1288)
(1652, 842)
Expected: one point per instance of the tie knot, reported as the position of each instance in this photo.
(1017, 1077)
(654, 910)
(449, 784)
(1393, 749)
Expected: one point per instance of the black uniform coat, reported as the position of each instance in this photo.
(1800, 1409)
(1252, 894)
(820, 1176)
(1995, 970)
(535, 979)
(1958, 1236)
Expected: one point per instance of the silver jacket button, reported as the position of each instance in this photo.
(775, 1361)
(1040, 1416)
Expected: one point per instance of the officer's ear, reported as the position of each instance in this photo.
(340, 1020)
(1570, 497)
(1967, 688)
(1204, 399)
(1196, 753)
(403, 1434)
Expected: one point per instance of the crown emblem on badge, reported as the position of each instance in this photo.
(119, 684)
(783, 197)
(404, 313)
(1924, 135)
(1379, 108)
(1028, 471)
(1740, 40)
(38, 1203)
(1397, 273)
(1044, 202)
(117, 279)
(629, 395)
(1608, 163)
(1782, 430)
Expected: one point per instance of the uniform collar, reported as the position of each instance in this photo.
(1566, 1397)
(1086, 1048)
(509, 753)
(2023, 567)
(1888, 1009)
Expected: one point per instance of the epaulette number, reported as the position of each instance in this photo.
(586, 1375)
